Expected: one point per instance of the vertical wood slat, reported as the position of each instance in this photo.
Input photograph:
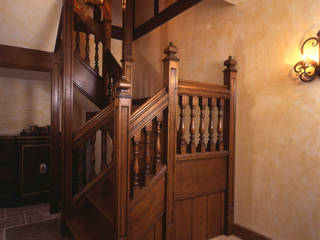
(92, 173)
(193, 102)
(96, 56)
(220, 142)
(182, 144)
(77, 49)
(136, 164)
(87, 49)
(103, 148)
(81, 164)
(157, 150)
(203, 101)
(212, 104)
(147, 154)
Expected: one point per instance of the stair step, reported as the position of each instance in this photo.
(103, 203)
(86, 228)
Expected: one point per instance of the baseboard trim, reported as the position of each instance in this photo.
(246, 233)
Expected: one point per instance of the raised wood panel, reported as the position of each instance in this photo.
(200, 218)
(203, 176)
(88, 82)
(155, 233)
(145, 214)
(216, 208)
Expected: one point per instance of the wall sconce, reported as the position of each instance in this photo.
(309, 68)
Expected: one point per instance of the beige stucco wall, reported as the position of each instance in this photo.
(25, 100)
(278, 132)
(30, 23)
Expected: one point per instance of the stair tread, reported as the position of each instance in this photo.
(103, 203)
(85, 228)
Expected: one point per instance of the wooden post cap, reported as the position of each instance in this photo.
(122, 86)
(230, 64)
(171, 52)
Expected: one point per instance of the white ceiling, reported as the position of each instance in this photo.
(30, 23)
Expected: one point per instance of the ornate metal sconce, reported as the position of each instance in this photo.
(307, 68)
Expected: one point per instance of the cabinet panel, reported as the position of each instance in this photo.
(34, 168)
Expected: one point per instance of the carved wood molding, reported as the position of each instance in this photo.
(194, 88)
(148, 111)
(94, 124)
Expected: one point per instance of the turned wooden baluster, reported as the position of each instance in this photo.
(182, 144)
(87, 60)
(212, 104)
(157, 147)
(77, 49)
(203, 101)
(92, 173)
(147, 154)
(110, 87)
(81, 163)
(193, 102)
(220, 143)
(96, 56)
(136, 164)
(103, 149)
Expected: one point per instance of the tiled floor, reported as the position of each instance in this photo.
(12, 219)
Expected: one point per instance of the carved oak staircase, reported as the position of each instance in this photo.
(132, 193)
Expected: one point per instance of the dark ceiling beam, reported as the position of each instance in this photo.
(164, 16)
(23, 58)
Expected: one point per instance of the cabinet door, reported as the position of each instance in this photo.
(34, 168)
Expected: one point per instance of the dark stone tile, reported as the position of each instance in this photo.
(12, 221)
(1, 213)
(32, 217)
(10, 212)
(49, 230)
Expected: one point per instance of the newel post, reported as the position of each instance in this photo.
(230, 77)
(122, 106)
(170, 77)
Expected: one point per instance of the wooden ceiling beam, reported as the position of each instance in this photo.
(164, 16)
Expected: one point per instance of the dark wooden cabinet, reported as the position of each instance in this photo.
(24, 169)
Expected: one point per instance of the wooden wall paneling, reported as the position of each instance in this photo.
(196, 177)
(171, 73)
(145, 213)
(199, 218)
(216, 214)
(184, 219)
(230, 76)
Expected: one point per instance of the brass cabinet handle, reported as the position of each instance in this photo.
(43, 168)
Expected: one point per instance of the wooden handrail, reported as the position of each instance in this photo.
(194, 88)
(112, 65)
(148, 111)
(93, 27)
(92, 126)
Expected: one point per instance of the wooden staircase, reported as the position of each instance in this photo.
(134, 194)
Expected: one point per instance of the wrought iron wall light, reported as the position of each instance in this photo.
(309, 68)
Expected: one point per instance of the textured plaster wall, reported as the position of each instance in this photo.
(278, 133)
(30, 23)
(25, 99)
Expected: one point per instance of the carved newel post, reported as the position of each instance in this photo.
(230, 77)
(122, 106)
(170, 76)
